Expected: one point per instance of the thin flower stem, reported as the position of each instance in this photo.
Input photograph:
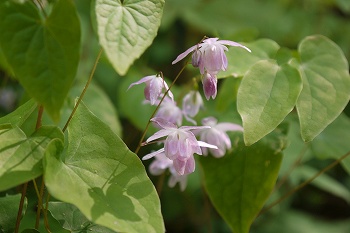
(20, 208)
(40, 202)
(46, 221)
(302, 185)
(295, 164)
(40, 116)
(155, 111)
(84, 90)
(25, 185)
(160, 183)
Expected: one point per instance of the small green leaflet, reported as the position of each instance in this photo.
(126, 28)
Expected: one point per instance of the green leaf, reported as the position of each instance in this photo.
(240, 60)
(4, 64)
(20, 115)
(267, 94)
(323, 181)
(326, 85)
(344, 5)
(44, 53)
(106, 181)
(72, 219)
(96, 100)
(239, 183)
(8, 212)
(126, 28)
(20, 157)
(333, 142)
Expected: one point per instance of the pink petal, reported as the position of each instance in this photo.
(190, 165)
(155, 88)
(163, 123)
(144, 79)
(184, 54)
(180, 166)
(184, 149)
(171, 146)
(159, 134)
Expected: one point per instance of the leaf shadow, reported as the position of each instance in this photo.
(119, 196)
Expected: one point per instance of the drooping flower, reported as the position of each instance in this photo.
(168, 110)
(191, 103)
(160, 164)
(209, 55)
(210, 82)
(216, 135)
(154, 87)
(180, 144)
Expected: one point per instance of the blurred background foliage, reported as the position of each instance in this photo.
(320, 207)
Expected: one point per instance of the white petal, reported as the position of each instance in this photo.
(232, 43)
(151, 155)
(163, 123)
(169, 92)
(228, 127)
(187, 128)
(204, 144)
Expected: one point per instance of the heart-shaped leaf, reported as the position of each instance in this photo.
(268, 92)
(106, 181)
(239, 183)
(43, 53)
(326, 85)
(126, 28)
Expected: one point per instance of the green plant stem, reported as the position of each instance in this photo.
(84, 90)
(302, 185)
(160, 183)
(155, 111)
(40, 203)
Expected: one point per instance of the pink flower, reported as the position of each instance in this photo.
(168, 110)
(209, 85)
(180, 145)
(216, 135)
(154, 87)
(209, 55)
(160, 164)
(191, 103)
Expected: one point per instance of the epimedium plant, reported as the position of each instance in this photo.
(87, 167)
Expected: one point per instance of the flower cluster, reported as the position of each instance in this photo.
(180, 143)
